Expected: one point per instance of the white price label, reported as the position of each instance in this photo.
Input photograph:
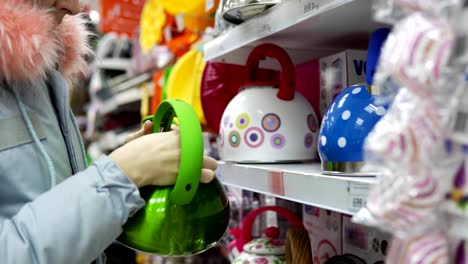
(357, 195)
(355, 203)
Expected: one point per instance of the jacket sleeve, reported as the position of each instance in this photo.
(73, 222)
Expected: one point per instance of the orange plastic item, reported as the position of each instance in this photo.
(158, 91)
(181, 44)
(121, 16)
(198, 24)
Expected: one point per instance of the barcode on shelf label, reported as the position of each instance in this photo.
(356, 188)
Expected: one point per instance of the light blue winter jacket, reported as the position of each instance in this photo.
(53, 210)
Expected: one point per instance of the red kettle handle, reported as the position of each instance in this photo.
(246, 232)
(288, 79)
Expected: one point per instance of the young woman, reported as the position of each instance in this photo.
(54, 210)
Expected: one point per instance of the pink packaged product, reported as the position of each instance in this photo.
(430, 247)
(308, 82)
(368, 244)
(325, 228)
(338, 72)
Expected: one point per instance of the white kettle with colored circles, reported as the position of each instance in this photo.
(268, 121)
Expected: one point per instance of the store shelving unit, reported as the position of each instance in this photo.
(306, 29)
(303, 183)
(114, 64)
(120, 99)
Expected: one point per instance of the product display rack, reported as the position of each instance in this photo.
(303, 183)
(306, 29)
(114, 64)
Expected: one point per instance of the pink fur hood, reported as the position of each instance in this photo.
(31, 45)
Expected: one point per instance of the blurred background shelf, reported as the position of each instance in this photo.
(114, 64)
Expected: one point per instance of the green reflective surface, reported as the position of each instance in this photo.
(168, 229)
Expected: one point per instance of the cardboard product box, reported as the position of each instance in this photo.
(324, 227)
(338, 72)
(308, 83)
(366, 243)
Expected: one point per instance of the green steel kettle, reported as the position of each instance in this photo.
(188, 217)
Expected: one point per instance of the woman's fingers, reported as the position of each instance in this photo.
(135, 135)
(147, 129)
(207, 176)
(209, 166)
(210, 163)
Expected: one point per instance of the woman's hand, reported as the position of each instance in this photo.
(153, 159)
(145, 130)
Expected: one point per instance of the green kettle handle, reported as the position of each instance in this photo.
(191, 146)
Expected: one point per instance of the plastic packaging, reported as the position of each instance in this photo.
(421, 195)
(392, 11)
(417, 51)
(432, 247)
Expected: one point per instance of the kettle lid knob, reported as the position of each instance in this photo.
(272, 232)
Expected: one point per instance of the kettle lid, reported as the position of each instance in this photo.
(269, 245)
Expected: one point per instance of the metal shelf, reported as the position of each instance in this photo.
(303, 183)
(114, 64)
(307, 29)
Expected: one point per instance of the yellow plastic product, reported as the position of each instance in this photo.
(184, 83)
(152, 22)
(197, 14)
(194, 7)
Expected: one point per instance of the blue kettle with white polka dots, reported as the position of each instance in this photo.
(350, 118)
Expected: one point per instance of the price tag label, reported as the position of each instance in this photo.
(309, 6)
(275, 182)
(357, 195)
